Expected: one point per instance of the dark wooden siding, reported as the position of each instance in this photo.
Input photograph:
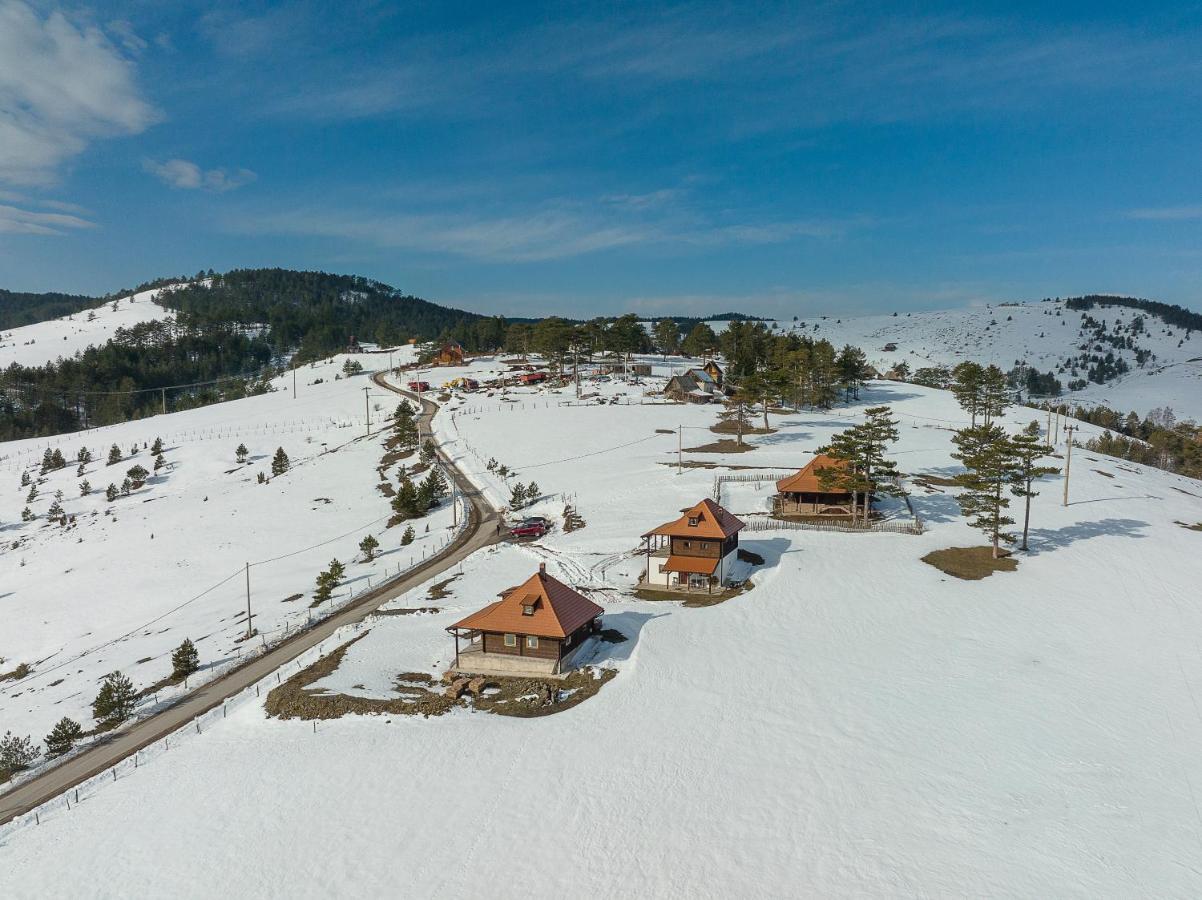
(709, 548)
(548, 648)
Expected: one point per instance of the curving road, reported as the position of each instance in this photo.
(480, 532)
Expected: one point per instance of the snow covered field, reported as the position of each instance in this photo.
(1043, 334)
(44, 342)
(858, 724)
(130, 580)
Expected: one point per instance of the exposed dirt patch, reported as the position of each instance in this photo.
(936, 481)
(726, 445)
(16, 674)
(1197, 526)
(420, 694)
(706, 464)
(1101, 472)
(970, 563)
(727, 427)
(386, 488)
(407, 612)
(694, 599)
(438, 590)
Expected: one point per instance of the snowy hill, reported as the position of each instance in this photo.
(44, 342)
(856, 724)
(1045, 335)
(125, 582)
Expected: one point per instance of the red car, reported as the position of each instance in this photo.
(535, 526)
(419, 386)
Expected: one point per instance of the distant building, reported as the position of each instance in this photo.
(536, 628)
(449, 354)
(352, 345)
(714, 371)
(693, 386)
(694, 552)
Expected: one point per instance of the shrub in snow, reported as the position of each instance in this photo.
(16, 753)
(407, 537)
(262, 478)
(185, 660)
(241, 453)
(27, 515)
(280, 462)
(85, 488)
(157, 447)
(114, 455)
(159, 462)
(25, 478)
(115, 701)
(137, 476)
(110, 492)
(368, 547)
(63, 737)
(126, 487)
(33, 493)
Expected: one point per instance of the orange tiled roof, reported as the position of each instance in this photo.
(806, 480)
(696, 565)
(558, 610)
(712, 522)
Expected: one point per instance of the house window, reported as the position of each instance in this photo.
(528, 609)
(704, 545)
(511, 640)
(531, 642)
(692, 521)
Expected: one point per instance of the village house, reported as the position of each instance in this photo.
(693, 386)
(714, 371)
(449, 354)
(694, 552)
(803, 494)
(535, 629)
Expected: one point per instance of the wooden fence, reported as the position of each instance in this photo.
(765, 523)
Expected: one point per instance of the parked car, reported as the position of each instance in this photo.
(535, 526)
(419, 386)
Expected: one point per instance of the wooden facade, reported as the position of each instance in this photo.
(449, 355)
(696, 551)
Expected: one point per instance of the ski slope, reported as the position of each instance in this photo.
(858, 724)
(128, 581)
(44, 342)
(1042, 334)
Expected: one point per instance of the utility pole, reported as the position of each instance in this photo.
(367, 408)
(679, 451)
(1056, 439)
(1048, 434)
(576, 368)
(294, 381)
(1068, 459)
(249, 632)
(164, 392)
(389, 362)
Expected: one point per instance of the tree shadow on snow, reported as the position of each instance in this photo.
(935, 508)
(1048, 538)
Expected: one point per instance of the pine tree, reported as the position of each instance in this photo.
(988, 456)
(517, 499)
(159, 462)
(115, 702)
(47, 461)
(85, 488)
(337, 570)
(79, 470)
(137, 475)
(995, 395)
(56, 459)
(532, 492)
(407, 537)
(25, 479)
(368, 547)
(114, 455)
(431, 491)
(63, 737)
(325, 587)
(868, 471)
(126, 487)
(55, 511)
(157, 447)
(738, 411)
(279, 462)
(1028, 450)
(33, 493)
(27, 515)
(16, 753)
(428, 452)
(110, 492)
(667, 336)
(84, 456)
(184, 660)
(407, 503)
(241, 453)
(967, 387)
(404, 426)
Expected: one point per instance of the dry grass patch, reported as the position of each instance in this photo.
(16, 674)
(936, 481)
(438, 590)
(693, 599)
(970, 563)
(726, 445)
(728, 427)
(1197, 526)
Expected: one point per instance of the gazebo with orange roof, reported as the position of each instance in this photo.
(803, 493)
(695, 551)
(535, 628)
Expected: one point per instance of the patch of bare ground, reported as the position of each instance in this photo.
(694, 599)
(932, 481)
(708, 464)
(970, 563)
(439, 591)
(16, 674)
(1103, 472)
(1197, 526)
(726, 445)
(407, 611)
(728, 427)
(420, 694)
(386, 488)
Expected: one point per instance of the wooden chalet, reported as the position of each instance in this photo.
(693, 386)
(803, 494)
(449, 354)
(714, 371)
(694, 552)
(535, 628)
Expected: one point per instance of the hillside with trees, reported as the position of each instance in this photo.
(18, 308)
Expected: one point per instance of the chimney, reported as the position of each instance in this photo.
(542, 568)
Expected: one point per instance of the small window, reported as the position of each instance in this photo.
(511, 640)
(692, 521)
(531, 642)
(528, 609)
(704, 545)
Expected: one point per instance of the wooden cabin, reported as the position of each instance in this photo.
(449, 354)
(536, 628)
(694, 552)
(803, 494)
(693, 386)
(714, 371)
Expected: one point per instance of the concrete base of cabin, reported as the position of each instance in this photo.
(476, 662)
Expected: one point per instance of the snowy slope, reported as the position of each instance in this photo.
(121, 590)
(856, 725)
(44, 342)
(1042, 334)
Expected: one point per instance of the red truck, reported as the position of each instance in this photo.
(419, 386)
(532, 377)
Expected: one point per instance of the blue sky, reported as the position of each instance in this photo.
(602, 158)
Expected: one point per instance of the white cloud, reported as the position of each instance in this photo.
(188, 176)
(14, 220)
(1166, 213)
(61, 86)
